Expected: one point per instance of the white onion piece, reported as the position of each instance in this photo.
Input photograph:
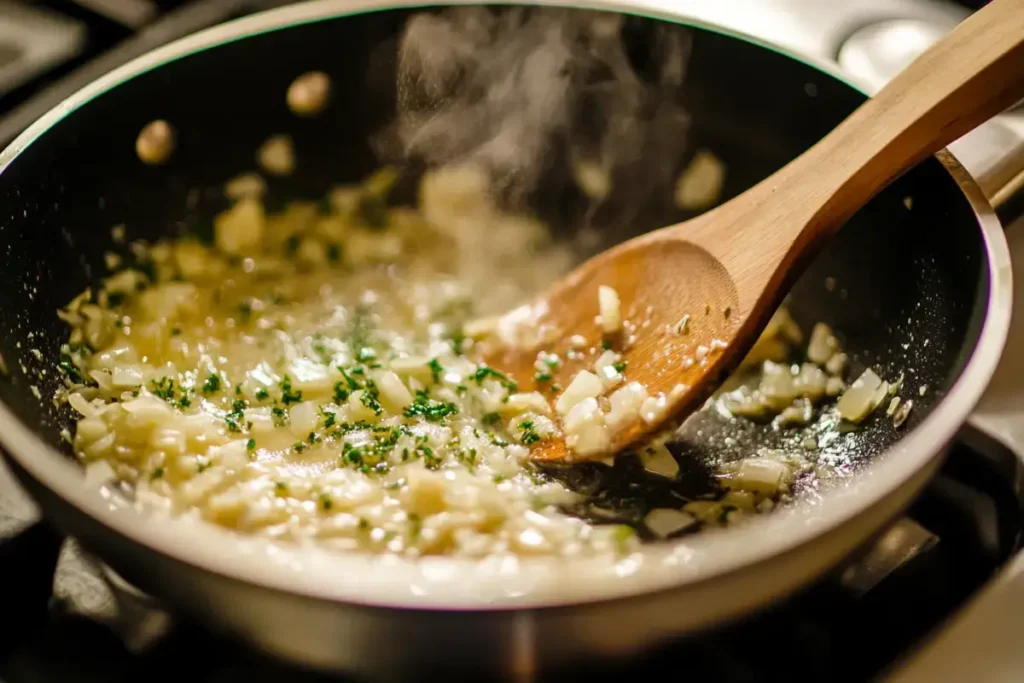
(657, 459)
(902, 413)
(128, 376)
(798, 414)
(585, 412)
(653, 408)
(393, 393)
(859, 400)
(880, 395)
(837, 363)
(742, 403)
(609, 307)
(277, 155)
(593, 179)
(663, 522)
(834, 386)
(822, 344)
(591, 439)
(624, 406)
(412, 366)
(81, 406)
(303, 418)
(98, 473)
(894, 403)
(765, 476)
(532, 402)
(584, 385)
(700, 184)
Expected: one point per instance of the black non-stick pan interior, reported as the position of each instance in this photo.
(909, 284)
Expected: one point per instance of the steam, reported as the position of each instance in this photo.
(533, 93)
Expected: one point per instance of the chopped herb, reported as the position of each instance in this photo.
(369, 398)
(175, 331)
(280, 416)
(457, 340)
(623, 533)
(529, 433)
(245, 309)
(250, 445)
(542, 377)
(366, 354)
(234, 418)
(484, 371)
(262, 394)
(329, 419)
(287, 395)
(325, 501)
(299, 446)
(491, 418)
(212, 384)
(429, 409)
(70, 370)
(606, 344)
(340, 392)
(436, 369)
(415, 525)
(620, 367)
(163, 388)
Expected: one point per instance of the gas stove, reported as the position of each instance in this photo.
(933, 585)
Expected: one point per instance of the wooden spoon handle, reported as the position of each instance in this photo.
(971, 75)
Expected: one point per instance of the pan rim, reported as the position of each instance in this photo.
(449, 583)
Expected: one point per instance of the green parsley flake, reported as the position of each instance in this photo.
(212, 384)
(287, 394)
(436, 369)
(429, 409)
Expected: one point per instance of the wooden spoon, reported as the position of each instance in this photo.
(726, 271)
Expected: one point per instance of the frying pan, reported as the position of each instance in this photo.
(924, 291)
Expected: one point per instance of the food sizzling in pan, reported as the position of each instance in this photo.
(311, 376)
